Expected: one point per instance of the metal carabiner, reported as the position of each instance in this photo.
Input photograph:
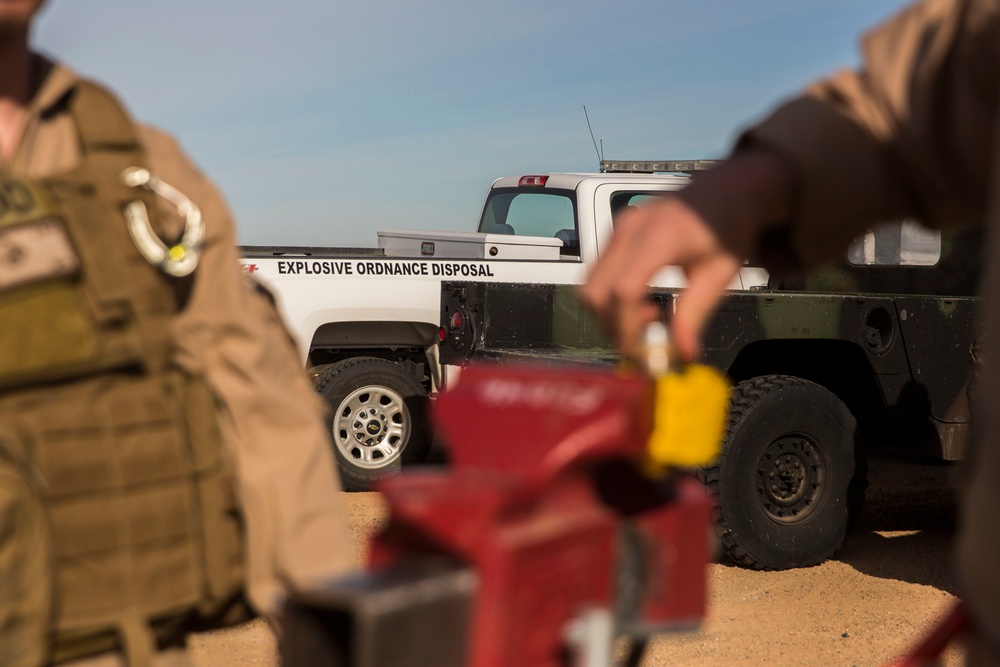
(181, 258)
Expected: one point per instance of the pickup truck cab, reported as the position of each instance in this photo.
(368, 321)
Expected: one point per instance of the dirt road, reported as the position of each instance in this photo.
(889, 583)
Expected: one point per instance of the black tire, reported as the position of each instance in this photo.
(377, 419)
(791, 477)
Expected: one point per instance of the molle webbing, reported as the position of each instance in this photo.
(121, 447)
(111, 313)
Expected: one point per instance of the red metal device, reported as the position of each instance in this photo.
(952, 627)
(539, 545)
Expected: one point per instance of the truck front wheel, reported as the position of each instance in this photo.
(790, 476)
(377, 418)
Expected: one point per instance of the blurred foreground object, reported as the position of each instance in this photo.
(541, 546)
(953, 626)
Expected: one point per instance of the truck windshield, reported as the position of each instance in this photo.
(531, 213)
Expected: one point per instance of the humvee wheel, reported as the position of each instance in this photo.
(786, 484)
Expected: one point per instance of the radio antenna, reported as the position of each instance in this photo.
(600, 151)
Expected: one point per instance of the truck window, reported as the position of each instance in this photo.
(623, 200)
(513, 211)
(896, 243)
(620, 200)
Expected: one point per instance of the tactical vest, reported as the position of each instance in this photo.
(118, 525)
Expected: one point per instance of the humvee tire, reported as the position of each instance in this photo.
(786, 483)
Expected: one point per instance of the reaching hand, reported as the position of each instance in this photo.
(683, 230)
(662, 233)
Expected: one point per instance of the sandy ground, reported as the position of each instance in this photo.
(888, 584)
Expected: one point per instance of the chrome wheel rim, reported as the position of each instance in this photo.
(371, 427)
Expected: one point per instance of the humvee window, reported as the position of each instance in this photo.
(896, 243)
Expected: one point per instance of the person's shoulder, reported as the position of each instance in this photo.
(163, 151)
(59, 80)
(170, 162)
(167, 157)
(160, 143)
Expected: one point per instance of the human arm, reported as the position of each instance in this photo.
(706, 229)
(910, 133)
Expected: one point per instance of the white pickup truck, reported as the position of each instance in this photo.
(368, 321)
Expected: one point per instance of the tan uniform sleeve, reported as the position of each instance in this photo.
(910, 133)
(289, 491)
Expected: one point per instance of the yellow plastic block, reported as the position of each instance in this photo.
(689, 417)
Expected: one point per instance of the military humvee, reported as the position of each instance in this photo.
(872, 352)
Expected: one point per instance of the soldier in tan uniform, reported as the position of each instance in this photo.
(230, 333)
(913, 132)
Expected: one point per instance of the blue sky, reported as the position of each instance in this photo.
(325, 121)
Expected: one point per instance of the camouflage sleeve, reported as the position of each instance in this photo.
(289, 491)
(910, 133)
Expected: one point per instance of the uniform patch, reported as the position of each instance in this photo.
(35, 251)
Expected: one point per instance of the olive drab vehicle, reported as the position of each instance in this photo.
(118, 526)
(869, 353)
(874, 352)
